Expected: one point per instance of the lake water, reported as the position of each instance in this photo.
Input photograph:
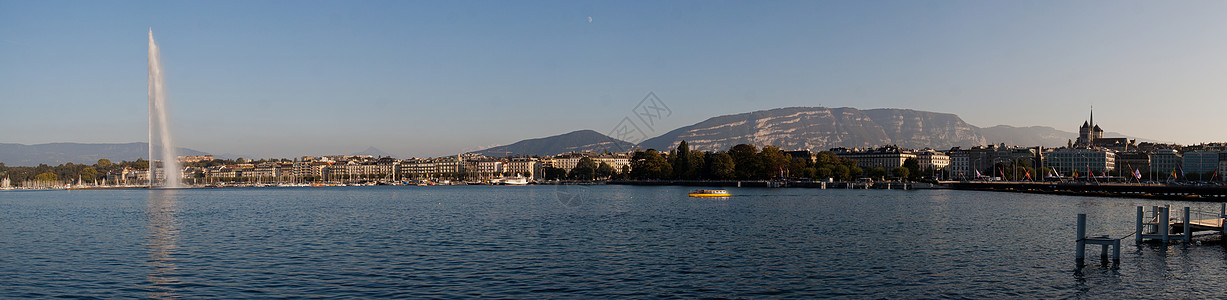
(580, 242)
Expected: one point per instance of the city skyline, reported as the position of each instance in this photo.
(279, 79)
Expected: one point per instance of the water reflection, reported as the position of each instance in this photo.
(162, 243)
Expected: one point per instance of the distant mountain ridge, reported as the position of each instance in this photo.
(372, 151)
(791, 128)
(814, 128)
(1041, 136)
(821, 128)
(59, 153)
(1031, 136)
(575, 141)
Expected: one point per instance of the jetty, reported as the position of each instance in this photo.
(1156, 225)
(1212, 193)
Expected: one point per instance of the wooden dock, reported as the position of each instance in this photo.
(1199, 225)
(1212, 193)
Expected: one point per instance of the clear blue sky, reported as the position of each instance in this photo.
(427, 78)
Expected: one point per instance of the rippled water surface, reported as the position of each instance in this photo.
(579, 241)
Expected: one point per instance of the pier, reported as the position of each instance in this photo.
(1156, 225)
(1159, 225)
(1131, 190)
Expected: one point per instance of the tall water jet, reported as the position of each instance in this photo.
(158, 122)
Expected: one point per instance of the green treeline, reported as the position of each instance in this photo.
(67, 172)
(743, 162)
(740, 162)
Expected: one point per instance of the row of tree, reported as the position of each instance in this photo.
(742, 162)
(67, 172)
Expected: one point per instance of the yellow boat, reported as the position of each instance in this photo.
(710, 193)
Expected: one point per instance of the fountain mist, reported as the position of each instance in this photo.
(158, 121)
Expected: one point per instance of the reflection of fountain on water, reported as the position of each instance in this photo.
(158, 121)
(163, 241)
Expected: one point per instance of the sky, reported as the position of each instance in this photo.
(431, 78)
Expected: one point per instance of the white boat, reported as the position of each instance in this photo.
(710, 193)
(515, 181)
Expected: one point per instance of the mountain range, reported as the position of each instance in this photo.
(575, 141)
(823, 128)
(59, 153)
(814, 128)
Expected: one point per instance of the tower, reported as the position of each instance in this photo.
(1096, 132)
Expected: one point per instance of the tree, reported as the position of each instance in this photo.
(89, 174)
(604, 170)
(681, 160)
(879, 173)
(650, 165)
(103, 164)
(722, 166)
(772, 162)
(826, 158)
(46, 177)
(913, 168)
(901, 172)
(552, 173)
(823, 173)
(797, 167)
(585, 169)
(698, 165)
(745, 159)
(855, 172)
(843, 173)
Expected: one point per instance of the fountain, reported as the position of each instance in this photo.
(158, 122)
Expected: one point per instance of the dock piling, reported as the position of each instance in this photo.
(1137, 233)
(1081, 246)
(1188, 236)
(1103, 241)
(1164, 223)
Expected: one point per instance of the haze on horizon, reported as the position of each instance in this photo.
(290, 78)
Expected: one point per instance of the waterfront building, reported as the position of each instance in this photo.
(1127, 162)
(525, 167)
(567, 161)
(1222, 167)
(356, 170)
(484, 168)
(1164, 162)
(1219, 147)
(960, 166)
(1067, 161)
(930, 159)
(127, 176)
(263, 172)
(192, 159)
(966, 163)
(888, 157)
(1200, 161)
(422, 168)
